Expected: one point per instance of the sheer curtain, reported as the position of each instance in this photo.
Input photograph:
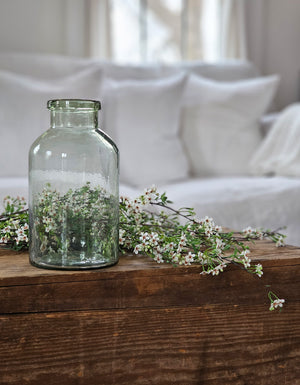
(232, 23)
(167, 30)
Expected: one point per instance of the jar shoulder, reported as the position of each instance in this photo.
(83, 139)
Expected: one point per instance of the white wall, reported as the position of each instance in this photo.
(44, 26)
(273, 29)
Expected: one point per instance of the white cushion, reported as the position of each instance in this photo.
(220, 127)
(43, 66)
(49, 66)
(229, 70)
(24, 115)
(121, 72)
(142, 117)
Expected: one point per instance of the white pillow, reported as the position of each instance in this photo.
(24, 115)
(220, 127)
(143, 119)
(44, 66)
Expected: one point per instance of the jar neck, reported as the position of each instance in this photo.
(74, 119)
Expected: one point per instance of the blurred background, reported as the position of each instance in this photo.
(266, 32)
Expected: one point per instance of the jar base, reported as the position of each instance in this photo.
(83, 266)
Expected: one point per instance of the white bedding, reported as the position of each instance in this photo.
(246, 201)
(279, 154)
(232, 202)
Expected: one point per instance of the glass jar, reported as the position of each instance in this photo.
(73, 190)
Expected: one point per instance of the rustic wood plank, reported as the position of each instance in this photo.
(140, 282)
(160, 287)
(16, 269)
(185, 287)
(195, 345)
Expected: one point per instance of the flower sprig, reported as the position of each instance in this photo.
(276, 303)
(149, 225)
(14, 229)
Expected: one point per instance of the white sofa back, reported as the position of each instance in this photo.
(45, 66)
(142, 111)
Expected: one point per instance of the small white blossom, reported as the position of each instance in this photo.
(208, 232)
(121, 236)
(137, 249)
(277, 303)
(175, 257)
(189, 258)
(200, 256)
(183, 239)
(158, 258)
(144, 237)
(258, 270)
(280, 242)
(248, 231)
(6, 229)
(3, 240)
(170, 246)
(218, 229)
(245, 259)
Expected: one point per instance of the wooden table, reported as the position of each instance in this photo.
(143, 323)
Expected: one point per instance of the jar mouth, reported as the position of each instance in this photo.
(74, 104)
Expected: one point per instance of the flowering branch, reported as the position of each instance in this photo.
(149, 225)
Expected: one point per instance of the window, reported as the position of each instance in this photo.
(170, 30)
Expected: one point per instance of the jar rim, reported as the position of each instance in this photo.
(74, 104)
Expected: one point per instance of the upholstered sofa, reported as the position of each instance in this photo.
(192, 129)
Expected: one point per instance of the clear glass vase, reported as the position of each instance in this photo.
(73, 190)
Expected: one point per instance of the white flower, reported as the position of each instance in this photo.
(20, 232)
(6, 229)
(121, 236)
(150, 195)
(153, 239)
(245, 259)
(208, 232)
(277, 303)
(200, 256)
(24, 238)
(218, 229)
(144, 244)
(144, 237)
(258, 270)
(3, 240)
(183, 239)
(208, 223)
(170, 246)
(222, 266)
(128, 204)
(248, 231)
(208, 220)
(158, 258)
(280, 242)
(219, 244)
(137, 249)
(189, 258)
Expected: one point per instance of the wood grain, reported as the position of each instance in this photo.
(193, 345)
(143, 323)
